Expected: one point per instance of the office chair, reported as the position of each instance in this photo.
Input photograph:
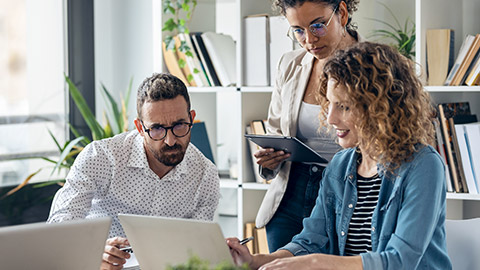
(463, 243)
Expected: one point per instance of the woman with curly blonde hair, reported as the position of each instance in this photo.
(382, 200)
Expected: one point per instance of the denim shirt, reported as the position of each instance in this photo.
(408, 224)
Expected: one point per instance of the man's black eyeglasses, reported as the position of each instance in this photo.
(158, 132)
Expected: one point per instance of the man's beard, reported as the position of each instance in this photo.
(172, 158)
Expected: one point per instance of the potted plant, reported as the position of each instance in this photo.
(403, 37)
(15, 202)
(179, 13)
(195, 263)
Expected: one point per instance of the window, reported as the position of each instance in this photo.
(32, 90)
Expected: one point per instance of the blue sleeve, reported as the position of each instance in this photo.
(421, 212)
(313, 238)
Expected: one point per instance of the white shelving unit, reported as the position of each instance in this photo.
(461, 17)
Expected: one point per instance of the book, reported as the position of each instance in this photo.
(453, 109)
(440, 54)
(256, 69)
(193, 62)
(467, 42)
(258, 127)
(260, 235)
(465, 159)
(199, 138)
(441, 150)
(457, 157)
(252, 129)
(221, 49)
(199, 57)
(473, 77)
(448, 146)
(171, 61)
(472, 132)
(249, 229)
(205, 59)
(186, 69)
(459, 77)
(280, 43)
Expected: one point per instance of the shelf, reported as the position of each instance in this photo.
(463, 196)
(211, 89)
(451, 89)
(255, 186)
(228, 183)
(256, 89)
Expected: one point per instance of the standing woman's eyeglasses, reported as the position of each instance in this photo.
(317, 29)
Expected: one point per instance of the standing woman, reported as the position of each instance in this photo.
(321, 27)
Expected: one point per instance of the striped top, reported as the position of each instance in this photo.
(359, 232)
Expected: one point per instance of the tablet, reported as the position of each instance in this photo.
(299, 151)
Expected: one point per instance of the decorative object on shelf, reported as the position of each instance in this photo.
(195, 263)
(178, 25)
(403, 37)
(71, 148)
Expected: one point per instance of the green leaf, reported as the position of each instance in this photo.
(189, 54)
(190, 77)
(196, 71)
(169, 25)
(181, 63)
(170, 44)
(75, 132)
(185, 7)
(117, 114)
(66, 152)
(181, 22)
(88, 116)
(54, 140)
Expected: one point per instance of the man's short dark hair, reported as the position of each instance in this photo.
(160, 86)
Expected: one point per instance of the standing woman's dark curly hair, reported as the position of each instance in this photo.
(352, 6)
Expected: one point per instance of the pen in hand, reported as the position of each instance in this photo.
(246, 240)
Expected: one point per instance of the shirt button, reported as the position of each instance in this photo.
(373, 229)
(342, 233)
(350, 176)
(314, 169)
(350, 205)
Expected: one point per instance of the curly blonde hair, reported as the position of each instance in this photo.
(352, 6)
(395, 114)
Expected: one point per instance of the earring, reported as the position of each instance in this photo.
(344, 31)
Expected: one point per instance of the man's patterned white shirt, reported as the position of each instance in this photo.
(112, 176)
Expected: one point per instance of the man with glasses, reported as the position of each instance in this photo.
(153, 170)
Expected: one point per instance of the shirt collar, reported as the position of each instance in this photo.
(138, 159)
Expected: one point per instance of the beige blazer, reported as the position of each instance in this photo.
(293, 72)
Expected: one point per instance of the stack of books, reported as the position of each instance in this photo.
(458, 142)
(466, 68)
(209, 62)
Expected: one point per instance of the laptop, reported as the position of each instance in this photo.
(158, 242)
(73, 245)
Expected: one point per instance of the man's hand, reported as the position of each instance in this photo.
(113, 257)
(240, 253)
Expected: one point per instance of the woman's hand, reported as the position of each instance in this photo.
(113, 257)
(315, 261)
(240, 253)
(269, 158)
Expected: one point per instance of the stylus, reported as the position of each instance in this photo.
(127, 249)
(246, 240)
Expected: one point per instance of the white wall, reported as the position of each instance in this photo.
(123, 48)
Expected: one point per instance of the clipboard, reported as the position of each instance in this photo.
(299, 151)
